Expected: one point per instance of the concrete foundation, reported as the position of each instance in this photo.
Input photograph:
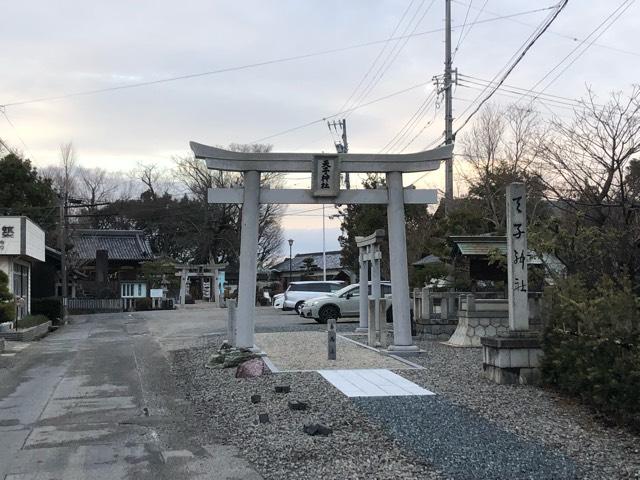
(512, 359)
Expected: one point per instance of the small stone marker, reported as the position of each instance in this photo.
(314, 429)
(283, 388)
(298, 405)
(331, 339)
(231, 323)
(256, 398)
(263, 418)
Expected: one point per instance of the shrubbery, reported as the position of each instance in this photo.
(49, 307)
(592, 346)
(29, 321)
(143, 304)
(7, 305)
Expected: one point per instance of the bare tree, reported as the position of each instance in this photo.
(586, 159)
(503, 146)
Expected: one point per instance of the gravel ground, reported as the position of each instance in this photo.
(357, 448)
(311, 352)
(462, 444)
(532, 413)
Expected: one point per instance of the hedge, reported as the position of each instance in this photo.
(49, 307)
(592, 347)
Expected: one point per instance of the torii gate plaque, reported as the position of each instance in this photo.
(325, 170)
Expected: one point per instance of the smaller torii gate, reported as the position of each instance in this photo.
(370, 254)
(211, 270)
(325, 172)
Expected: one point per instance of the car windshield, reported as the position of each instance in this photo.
(344, 290)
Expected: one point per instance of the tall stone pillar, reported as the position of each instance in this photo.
(402, 340)
(363, 325)
(248, 263)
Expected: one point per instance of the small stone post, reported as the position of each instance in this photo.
(231, 323)
(331, 339)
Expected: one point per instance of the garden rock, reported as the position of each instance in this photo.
(314, 429)
(251, 368)
(230, 357)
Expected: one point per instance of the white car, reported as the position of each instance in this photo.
(298, 292)
(343, 303)
(278, 301)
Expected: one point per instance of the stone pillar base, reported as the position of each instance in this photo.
(404, 349)
(512, 359)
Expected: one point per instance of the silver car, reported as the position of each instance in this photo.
(298, 292)
(340, 304)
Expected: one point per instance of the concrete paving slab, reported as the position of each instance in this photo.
(372, 383)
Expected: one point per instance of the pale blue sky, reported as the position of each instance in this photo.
(52, 48)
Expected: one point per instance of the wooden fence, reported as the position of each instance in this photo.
(94, 305)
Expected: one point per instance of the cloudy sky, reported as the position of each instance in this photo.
(52, 49)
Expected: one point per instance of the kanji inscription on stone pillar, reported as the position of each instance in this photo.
(517, 254)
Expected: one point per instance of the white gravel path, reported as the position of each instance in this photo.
(294, 351)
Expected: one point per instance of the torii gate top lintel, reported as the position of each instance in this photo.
(221, 159)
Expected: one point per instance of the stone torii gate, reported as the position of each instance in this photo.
(325, 172)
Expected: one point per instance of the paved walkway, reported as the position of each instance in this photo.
(95, 400)
(372, 383)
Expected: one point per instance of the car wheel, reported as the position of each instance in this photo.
(298, 306)
(327, 312)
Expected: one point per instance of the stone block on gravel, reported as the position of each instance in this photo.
(298, 405)
(251, 368)
(256, 398)
(314, 429)
(283, 388)
(263, 418)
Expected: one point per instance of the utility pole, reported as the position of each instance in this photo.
(448, 106)
(342, 147)
(63, 253)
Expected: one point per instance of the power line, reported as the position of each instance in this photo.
(324, 119)
(4, 114)
(250, 65)
(410, 123)
(623, 7)
(393, 54)
(461, 39)
(522, 54)
(375, 61)
(558, 34)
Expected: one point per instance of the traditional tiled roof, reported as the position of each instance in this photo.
(333, 260)
(120, 244)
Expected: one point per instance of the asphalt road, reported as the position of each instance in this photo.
(96, 400)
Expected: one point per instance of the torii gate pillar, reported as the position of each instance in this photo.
(402, 340)
(246, 310)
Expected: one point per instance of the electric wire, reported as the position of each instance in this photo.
(558, 34)
(513, 65)
(246, 66)
(375, 61)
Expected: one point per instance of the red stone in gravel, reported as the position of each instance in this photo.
(251, 368)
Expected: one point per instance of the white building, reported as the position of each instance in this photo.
(21, 244)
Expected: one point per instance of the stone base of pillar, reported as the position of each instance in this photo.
(362, 330)
(404, 349)
(512, 359)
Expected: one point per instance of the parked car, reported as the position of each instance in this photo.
(341, 304)
(298, 292)
(278, 301)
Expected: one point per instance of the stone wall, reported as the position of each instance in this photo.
(28, 334)
(473, 325)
